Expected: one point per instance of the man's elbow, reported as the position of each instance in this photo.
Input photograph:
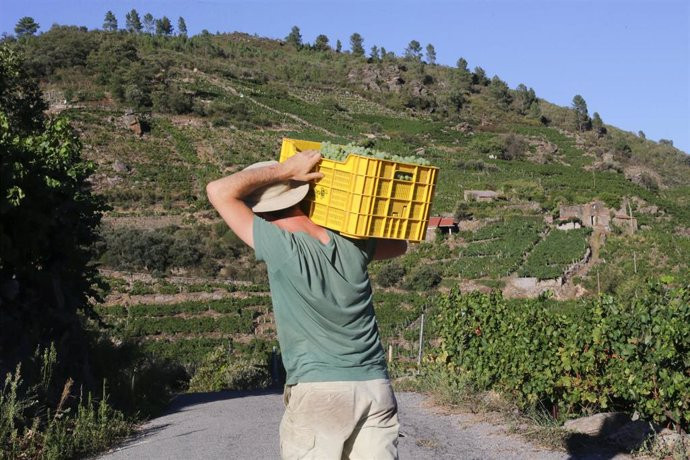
(212, 191)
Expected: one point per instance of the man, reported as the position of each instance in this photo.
(339, 402)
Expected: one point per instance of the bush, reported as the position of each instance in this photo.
(514, 147)
(391, 274)
(615, 355)
(423, 278)
(220, 370)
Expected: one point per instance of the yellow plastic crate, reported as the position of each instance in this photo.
(366, 197)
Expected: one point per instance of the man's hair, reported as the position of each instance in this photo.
(281, 213)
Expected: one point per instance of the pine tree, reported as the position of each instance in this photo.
(462, 65)
(294, 38)
(321, 43)
(430, 54)
(479, 77)
(357, 44)
(374, 54)
(338, 46)
(149, 23)
(641, 134)
(133, 21)
(582, 121)
(598, 124)
(181, 27)
(413, 51)
(110, 22)
(26, 26)
(164, 26)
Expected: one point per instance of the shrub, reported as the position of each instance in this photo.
(423, 278)
(391, 274)
(628, 355)
(219, 370)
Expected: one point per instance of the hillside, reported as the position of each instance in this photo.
(162, 116)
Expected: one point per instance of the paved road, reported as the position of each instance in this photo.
(242, 425)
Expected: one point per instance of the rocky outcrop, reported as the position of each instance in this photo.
(378, 79)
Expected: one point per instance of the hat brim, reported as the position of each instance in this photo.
(282, 201)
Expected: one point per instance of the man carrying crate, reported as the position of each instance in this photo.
(339, 402)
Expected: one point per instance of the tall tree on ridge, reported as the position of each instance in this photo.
(321, 43)
(582, 121)
(164, 26)
(430, 54)
(357, 44)
(294, 38)
(133, 21)
(181, 27)
(110, 22)
(413, 51)
(26, 26)
(149, 23)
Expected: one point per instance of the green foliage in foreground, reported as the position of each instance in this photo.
(628, 355)
(222, 371)
(29, 429)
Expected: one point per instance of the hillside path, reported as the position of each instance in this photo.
(244, 425)
(218, 82)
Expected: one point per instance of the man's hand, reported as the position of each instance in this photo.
(299, 166)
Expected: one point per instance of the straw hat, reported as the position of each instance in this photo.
(276, 196)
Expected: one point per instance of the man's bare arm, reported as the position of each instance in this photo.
(226, 194)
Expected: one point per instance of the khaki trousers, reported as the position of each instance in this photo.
(340, 420)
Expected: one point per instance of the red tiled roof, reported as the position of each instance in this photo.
(438, 221)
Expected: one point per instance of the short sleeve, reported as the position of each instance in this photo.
(272, 245)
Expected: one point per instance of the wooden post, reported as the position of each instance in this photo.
(598, 284)
(635, 261)
(390, 353)
(274, 366)
(421, 341)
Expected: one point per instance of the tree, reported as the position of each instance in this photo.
(430, 54)
(413, 51)
(321, 43)
(164, 26)
(149, 23)
(110, 22)
(374, 54)
(357, 44)
(181, 27)
(338, 46)
(598, 124)
(133, 21)
(462, 65)
(582, 121)
(641, 134)
(26, 26)
(48, 220)
(479, 77)
(500, 92)
(524, 98)
(294, 38)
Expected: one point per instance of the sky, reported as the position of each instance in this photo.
(629, 59)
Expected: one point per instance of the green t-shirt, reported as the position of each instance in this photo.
(323, 304)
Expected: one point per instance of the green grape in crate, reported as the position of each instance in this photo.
(339, 152)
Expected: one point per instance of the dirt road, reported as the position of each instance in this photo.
(243, 425)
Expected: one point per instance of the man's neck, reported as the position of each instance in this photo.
(299, 222)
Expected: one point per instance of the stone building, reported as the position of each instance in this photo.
(594, 214)
(480, 195)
